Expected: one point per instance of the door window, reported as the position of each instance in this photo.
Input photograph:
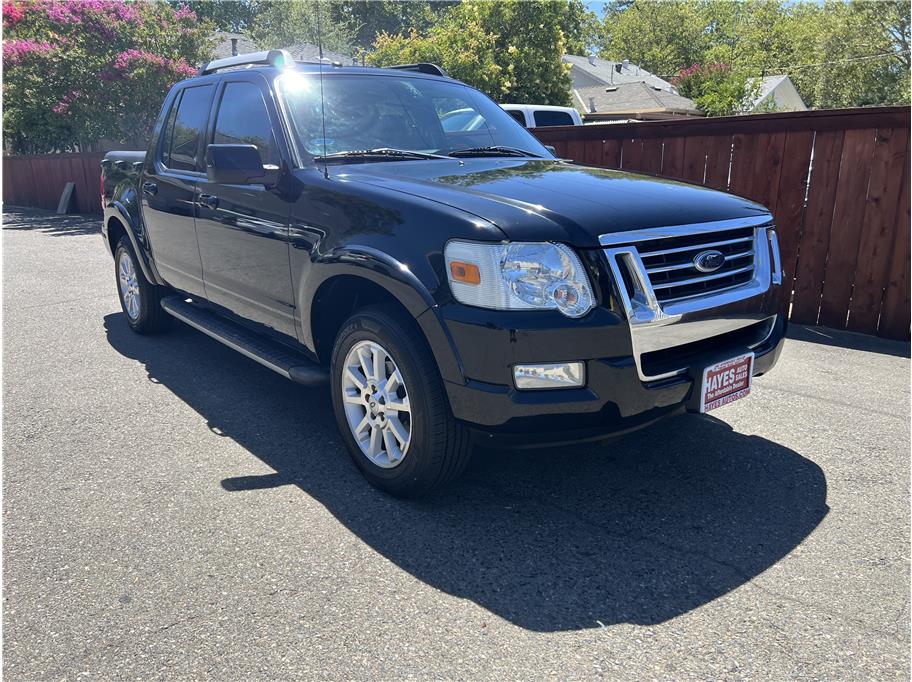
(181, 147)
(552, 118)
(244, 119)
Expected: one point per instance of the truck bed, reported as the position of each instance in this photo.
(118, 166)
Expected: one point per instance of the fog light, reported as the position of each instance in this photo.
(554, 375)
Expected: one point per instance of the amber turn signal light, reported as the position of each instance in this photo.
(467, 273)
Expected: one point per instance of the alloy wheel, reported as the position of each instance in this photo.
(376, 404)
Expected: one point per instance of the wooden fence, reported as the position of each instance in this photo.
(837, 183)
(39, 180)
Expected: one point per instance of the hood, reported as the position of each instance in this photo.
(545, 200)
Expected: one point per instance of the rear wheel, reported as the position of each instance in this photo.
(140, 300)
(391, 407)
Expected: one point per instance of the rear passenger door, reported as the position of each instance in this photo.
(243, 229)
(169, 186)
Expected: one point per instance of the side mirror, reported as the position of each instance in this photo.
(551, 149)
(237, 164)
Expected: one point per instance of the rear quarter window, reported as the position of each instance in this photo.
(552, 118)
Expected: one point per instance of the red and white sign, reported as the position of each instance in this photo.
(726, 382)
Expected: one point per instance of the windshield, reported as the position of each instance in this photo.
(402, 113)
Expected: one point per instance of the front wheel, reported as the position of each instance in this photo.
(390, 405)
(139, 298)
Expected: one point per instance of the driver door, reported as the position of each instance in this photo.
(243, 229)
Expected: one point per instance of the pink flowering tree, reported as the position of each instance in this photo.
(79, 73)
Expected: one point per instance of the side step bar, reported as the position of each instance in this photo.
(268, 353)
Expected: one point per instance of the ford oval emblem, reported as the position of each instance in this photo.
(709, 261)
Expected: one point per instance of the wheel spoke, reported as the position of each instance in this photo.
(354, 399)
(365, 365)
(394, 382)
(398, 405)
(362, 426)
(374, 447)
(355, 379)
(379, 360)
(393, 453)
(398, 430)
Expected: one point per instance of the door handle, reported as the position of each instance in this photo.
(149, 188)
(208, 201)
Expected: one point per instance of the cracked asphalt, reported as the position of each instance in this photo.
(172, 510)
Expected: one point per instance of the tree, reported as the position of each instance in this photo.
(851, 54)
(511, 50)
(302, 21)
(376, 17)
(582, 29)
(838, 54)
(76, 73)
(716, 89)
(659, 36)
(224, 15)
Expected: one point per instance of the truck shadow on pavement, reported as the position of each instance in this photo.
(643, 529)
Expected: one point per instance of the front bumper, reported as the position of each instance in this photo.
(614, 401)
(639, 367)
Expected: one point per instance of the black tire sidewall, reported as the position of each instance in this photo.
(420, 467)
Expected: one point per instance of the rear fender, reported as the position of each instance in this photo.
(124, 207)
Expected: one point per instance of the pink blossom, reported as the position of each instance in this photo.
(82, 11)
(12, 13)
(127, 57)
(15, 50)
(185, 13)
(63, 106)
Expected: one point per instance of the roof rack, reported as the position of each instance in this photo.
(276, 58)
(422, 67)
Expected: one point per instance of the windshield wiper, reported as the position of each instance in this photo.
(380, 152)
(494, 150)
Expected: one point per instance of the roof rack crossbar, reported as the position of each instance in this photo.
(277, 58)
(422, 67)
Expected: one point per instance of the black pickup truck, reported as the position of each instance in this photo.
(393, 233)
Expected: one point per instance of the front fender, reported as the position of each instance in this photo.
(394, 277)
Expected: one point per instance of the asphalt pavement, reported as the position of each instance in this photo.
(172, 510)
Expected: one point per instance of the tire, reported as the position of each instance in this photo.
(438, 447)
(140, 300)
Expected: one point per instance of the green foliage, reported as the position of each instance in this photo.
(835, 62)
(838, 54)
(662, 37)
(716, 89)
(224, 15)
(510, 50)
(302, 21)
(582, 29)
(77, 73)
(376, 17)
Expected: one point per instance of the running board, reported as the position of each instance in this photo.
(268, 353)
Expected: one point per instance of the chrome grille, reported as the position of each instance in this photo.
(671, 305)
(669, 263)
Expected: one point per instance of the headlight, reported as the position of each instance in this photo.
(518, 276)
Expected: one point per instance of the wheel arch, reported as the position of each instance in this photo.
(118, 223)
(342, 289)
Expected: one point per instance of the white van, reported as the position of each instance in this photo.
(539, 116)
